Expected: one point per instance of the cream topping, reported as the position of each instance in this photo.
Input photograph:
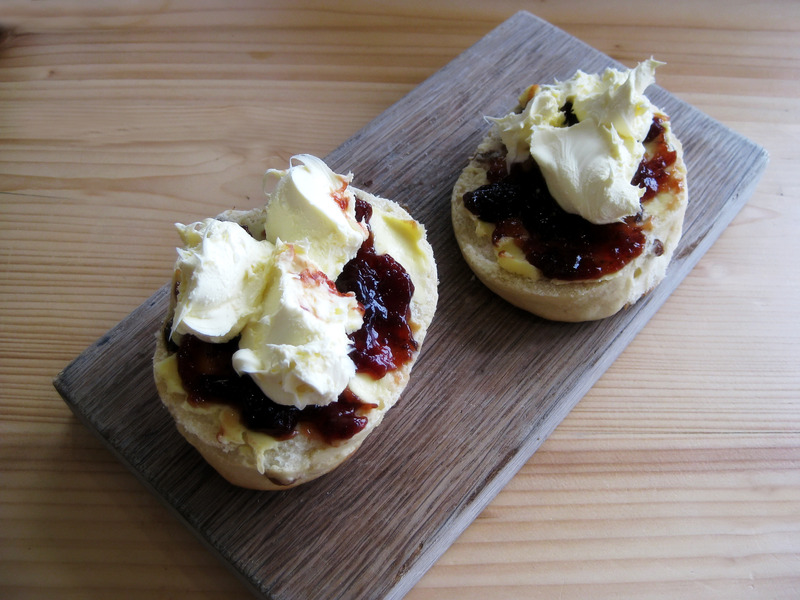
(222, 275)
(278, 293)
(297, 350)
(589, 166)
(314, 207)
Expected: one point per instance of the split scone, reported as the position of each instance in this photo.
(572, 206)
(293, 327)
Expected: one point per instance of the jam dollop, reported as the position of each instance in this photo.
(562, 245)
(208, 376)
(653, 173)
(383, 343)
(384, 289)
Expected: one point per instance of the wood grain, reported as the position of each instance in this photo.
(509, 370)
(676, 474)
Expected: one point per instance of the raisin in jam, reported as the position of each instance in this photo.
(383, 343)
(562, 245)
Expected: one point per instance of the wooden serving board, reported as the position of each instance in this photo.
(491, 384)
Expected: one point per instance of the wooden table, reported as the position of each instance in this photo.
(677, 475)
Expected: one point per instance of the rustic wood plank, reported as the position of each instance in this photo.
(483, 397)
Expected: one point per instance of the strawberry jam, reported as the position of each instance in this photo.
(383, 343)
(562, 245)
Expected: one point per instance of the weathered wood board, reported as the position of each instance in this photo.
(492, 382)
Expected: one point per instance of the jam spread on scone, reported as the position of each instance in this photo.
(563, 245)
(384, 289)
(654, 173)
(570, 175)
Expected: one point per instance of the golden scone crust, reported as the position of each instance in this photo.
(571, 300)
(255, 460)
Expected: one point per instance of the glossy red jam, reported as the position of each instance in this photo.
(384, 289)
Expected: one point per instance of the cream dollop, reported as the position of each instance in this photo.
(222, 276)
(297, 350)
(312, 206)
(588, 167)
(278, 293)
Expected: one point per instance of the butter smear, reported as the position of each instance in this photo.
(588, 166)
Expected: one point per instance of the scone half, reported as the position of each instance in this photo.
(254, 459)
